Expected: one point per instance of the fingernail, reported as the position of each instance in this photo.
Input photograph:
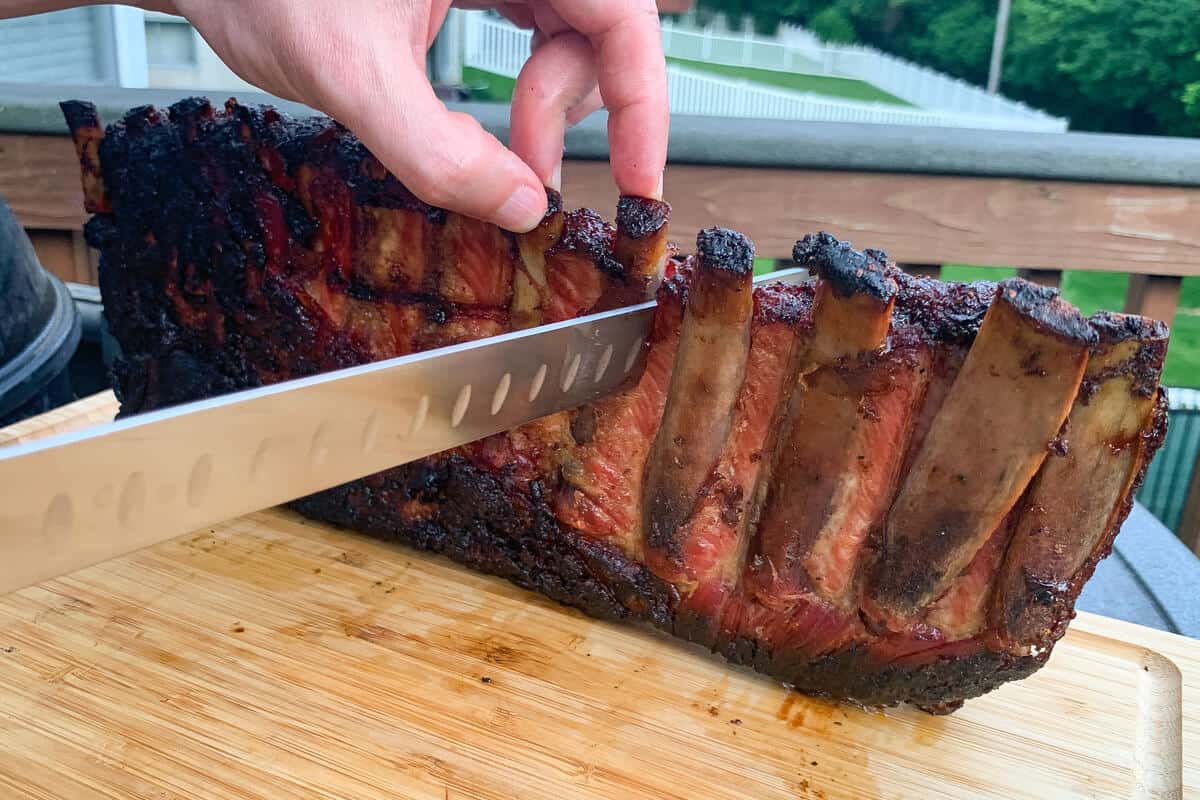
(522, 211)
(555, 181)
(658, 193)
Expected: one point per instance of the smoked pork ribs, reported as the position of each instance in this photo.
(870, 486)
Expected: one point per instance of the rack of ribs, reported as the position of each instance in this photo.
(871, 486)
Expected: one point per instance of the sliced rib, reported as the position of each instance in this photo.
(709, 368)
(988, 440)
(641, 248)
(844, 433)
(712, 543)
(1083, 490)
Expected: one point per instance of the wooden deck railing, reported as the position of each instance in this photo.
(1039, 202)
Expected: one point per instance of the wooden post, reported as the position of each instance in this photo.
(1046, 277)
(1154, 296)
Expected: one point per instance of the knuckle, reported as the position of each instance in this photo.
(447, 176)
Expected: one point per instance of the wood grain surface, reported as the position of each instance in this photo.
(929, 219)
(66, 254)
(39, 179)
(274, 657)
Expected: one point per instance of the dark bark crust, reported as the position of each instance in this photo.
(721, 249)
(478, 522)
(640, 217)
(847, 270)
(1044, 305)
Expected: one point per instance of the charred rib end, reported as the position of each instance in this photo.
(724, 271)
(1141, 343)
(1042, 305)
(550, 229)
(639, 217)
(725, 251)
(80, 115)
(640, 251)
(1114, 328)
(847, 270)
(553, 203)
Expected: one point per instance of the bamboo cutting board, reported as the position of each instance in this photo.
(272, 657)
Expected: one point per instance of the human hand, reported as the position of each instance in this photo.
(363, 63)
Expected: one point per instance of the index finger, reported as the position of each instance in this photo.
(632, 75)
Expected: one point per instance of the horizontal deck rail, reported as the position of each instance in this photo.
(928, 196)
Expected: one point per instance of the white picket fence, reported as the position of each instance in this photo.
(495, 46)
(694, 92)
(794, 49)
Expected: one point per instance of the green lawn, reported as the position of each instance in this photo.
(489, 86)
(817, 84)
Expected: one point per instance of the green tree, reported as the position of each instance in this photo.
(1110, 65)
(767, 14)
(954, 37)
(832, 25)
(1191, 96)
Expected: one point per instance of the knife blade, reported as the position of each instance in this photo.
(80, 498)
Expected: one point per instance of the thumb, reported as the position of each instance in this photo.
(445, 158)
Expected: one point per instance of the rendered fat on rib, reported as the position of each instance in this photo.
(530, 283)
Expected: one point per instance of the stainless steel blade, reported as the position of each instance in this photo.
(80, 498)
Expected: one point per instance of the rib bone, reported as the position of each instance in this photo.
(988, 440)
(710, 366)
(1077, 498)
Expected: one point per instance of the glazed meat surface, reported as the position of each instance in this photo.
(870, 486)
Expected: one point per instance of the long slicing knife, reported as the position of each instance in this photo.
(76, 499)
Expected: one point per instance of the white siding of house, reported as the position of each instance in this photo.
(60, 47)
(94, 45)
(179, 58)
(127, 34)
